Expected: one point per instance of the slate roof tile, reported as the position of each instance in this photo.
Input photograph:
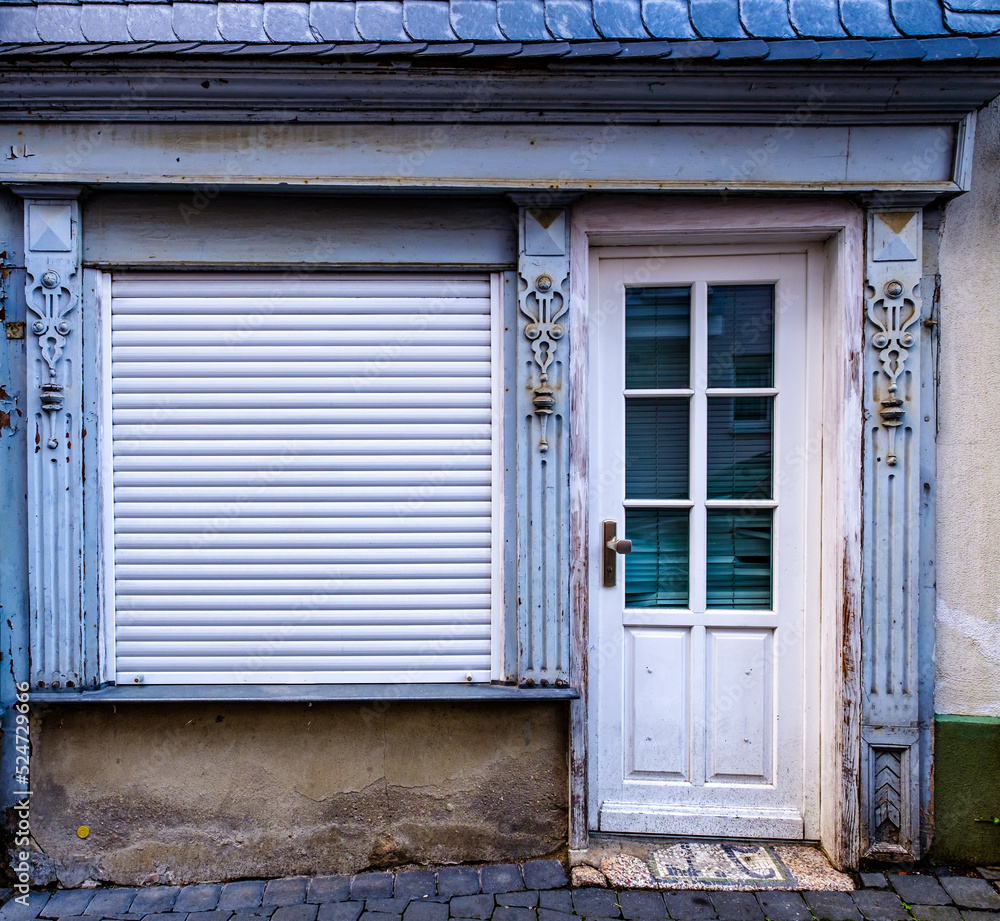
(242, 22)
(380, 21)
(58, 22)
(619, 19)
(667, 19)
(17, 25)
(802, 50)
(841, 28)
(522, 20)
(747, 50)
(867, 18)
(989, 49)
(903, 49)
(570, 19)
(949, 49)
(476, 20)
(333, 20)
(918, 17)
(716, 18)
(427, 20)
(973, 6)
(105, 22)
(766, 18)
(150, 22)
(816, 18)
(196, 22)
(975, 23)
(851, 49)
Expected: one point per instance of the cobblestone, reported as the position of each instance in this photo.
(288, 891)
(112, 902)
(737, 906)
(832, 906)
(596, 903)
(784, 906)
(689, 906)
(371, 886)
(154, 900)
(67, 902)
(915, 889)
(472, 906)
(880, 906)
(301, 912)
(426, 911)
(544, 874)
(515, 914)
(454, 881)
(415, 884)
(339, 911)
(246, 893)
(556, 900)
(501, 877)
(198, 899)
(642, 906)
(970, 892)
(329, 889)
(935, 913)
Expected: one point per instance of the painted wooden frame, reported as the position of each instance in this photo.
(619, 220)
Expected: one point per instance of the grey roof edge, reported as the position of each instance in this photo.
(811, 52)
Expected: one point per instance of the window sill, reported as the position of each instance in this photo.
(262, 693)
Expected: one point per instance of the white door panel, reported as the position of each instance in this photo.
(703, 664)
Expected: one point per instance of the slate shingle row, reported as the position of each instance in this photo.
(519, 21)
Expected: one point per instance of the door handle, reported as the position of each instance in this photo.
(612, 546)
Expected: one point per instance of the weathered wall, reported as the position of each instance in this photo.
(968, 454)
(967, 688)
(181, 793)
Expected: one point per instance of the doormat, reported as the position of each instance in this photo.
(726, 865)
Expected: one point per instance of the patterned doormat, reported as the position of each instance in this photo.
(726, 865)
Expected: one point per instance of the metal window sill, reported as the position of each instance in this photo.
(260, 693)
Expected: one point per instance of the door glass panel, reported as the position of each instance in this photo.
(740, 335)
(656, 455)
(657, 338)
(739, 447)
(656, 571)
(738, 571)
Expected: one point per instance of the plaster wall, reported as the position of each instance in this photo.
(968, 458)
(176, 793)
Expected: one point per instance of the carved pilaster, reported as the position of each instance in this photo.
(543, 441)
(55, 468)
(892, 472)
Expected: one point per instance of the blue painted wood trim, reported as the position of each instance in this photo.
(262, 693)
(13, 489)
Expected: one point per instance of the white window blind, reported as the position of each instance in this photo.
(304, 472)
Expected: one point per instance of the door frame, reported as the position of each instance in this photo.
(618, 220)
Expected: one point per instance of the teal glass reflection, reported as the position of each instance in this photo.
(740, 452)
(656, 571)
(657, 338)
(739, 558)
(741, 336)
(656, 447)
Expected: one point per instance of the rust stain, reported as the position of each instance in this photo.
(4, 420)
(3, 393)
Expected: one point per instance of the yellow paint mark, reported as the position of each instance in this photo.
(82, 831)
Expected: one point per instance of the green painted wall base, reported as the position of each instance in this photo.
(966, 786)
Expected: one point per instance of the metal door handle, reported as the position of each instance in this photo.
(611, 548)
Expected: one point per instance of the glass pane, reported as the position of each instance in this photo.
(657, 338)
(656, 448)
(656, 571)
(739, 558)
(739, 447)
(740, 335)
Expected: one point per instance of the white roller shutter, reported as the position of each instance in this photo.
(304, 472)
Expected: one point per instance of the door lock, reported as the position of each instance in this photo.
(612, 546)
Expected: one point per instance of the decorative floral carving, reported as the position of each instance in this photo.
(544, 304)
(51, 301)
(893, 315)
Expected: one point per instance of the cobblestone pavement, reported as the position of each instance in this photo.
(533, 891)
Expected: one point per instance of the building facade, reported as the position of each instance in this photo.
(444, 430)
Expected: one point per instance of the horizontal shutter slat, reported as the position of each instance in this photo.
(302, 477)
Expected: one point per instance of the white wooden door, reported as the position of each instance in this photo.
(704, 452)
